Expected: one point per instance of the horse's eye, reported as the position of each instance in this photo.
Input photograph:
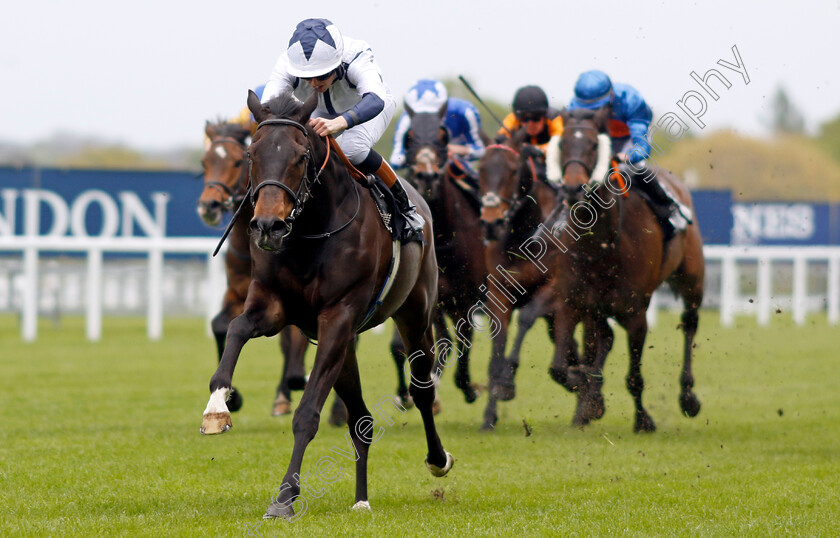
(238, 163)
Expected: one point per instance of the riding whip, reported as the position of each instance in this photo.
(472, 91)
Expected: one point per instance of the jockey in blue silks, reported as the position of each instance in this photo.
(461, 119)
(628, 128)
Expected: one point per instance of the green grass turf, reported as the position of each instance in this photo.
(102, 439)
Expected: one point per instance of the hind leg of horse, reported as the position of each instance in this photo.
(419, 343)
(689, 403)
(219, 326)
(293, 344)
(598, 339)
(348, 389)
(688, 282)
(398, 353)
(335, 335)
(636, 334)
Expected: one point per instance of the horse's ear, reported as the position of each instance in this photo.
(442, 111)
(308, 107)
(409, 111)
(260, 112)
(564, 114)
(528, 167)
(209, 130)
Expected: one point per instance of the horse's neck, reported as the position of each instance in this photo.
(332, 199)
(602, 236)
(445, 209)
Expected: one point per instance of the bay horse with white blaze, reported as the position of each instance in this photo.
(324, 256)
(617, 257)
(225, 181)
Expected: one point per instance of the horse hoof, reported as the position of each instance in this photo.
(644, 424)
(296, 382)
(279, 510)
(235, 402)
(282, 406)
(564, 379)
(438, 471)
(504, 393)
(215, 423)
(690, 405)
(406, 400)
(361, 506)
(487, 427)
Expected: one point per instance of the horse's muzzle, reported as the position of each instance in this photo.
(493, 230)
(210, 212)
(269, 232)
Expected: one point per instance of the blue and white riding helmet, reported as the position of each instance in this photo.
(426, 95)
(593, 90)
(315, 49)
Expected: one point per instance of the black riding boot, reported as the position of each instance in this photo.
(675, 212)
(413, 221)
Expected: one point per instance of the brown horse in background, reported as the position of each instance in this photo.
(225, 181)
(615, 260)
(515, 203)
(458, 245)
(323, 261)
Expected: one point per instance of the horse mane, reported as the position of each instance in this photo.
(284, 105)
(224, 128)
(581, 114)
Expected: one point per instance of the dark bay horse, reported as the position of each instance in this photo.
(458, 245)
(615, 261)
(225, 180)
(515, 203)
(323, 264)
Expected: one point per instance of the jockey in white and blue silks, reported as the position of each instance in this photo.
(628, 129)
(352, 98)
(461, 120)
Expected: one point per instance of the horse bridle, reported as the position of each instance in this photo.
(492, 198)
(588, 169)
(232, 198)
(304, 192)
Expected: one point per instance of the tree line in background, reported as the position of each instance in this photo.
(789, 166)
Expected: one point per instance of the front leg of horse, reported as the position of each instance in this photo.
(501, 372)
(219, 326)
(335, 334)
(636, 334)
(565, 353)
(599, 339)
(241, 329)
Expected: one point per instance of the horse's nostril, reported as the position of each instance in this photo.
(278, 226)
(213, 205)
(254, 226)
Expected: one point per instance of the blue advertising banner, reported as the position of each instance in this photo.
(713, 209)
(785, 223)
(107, 203)
(129, 203)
